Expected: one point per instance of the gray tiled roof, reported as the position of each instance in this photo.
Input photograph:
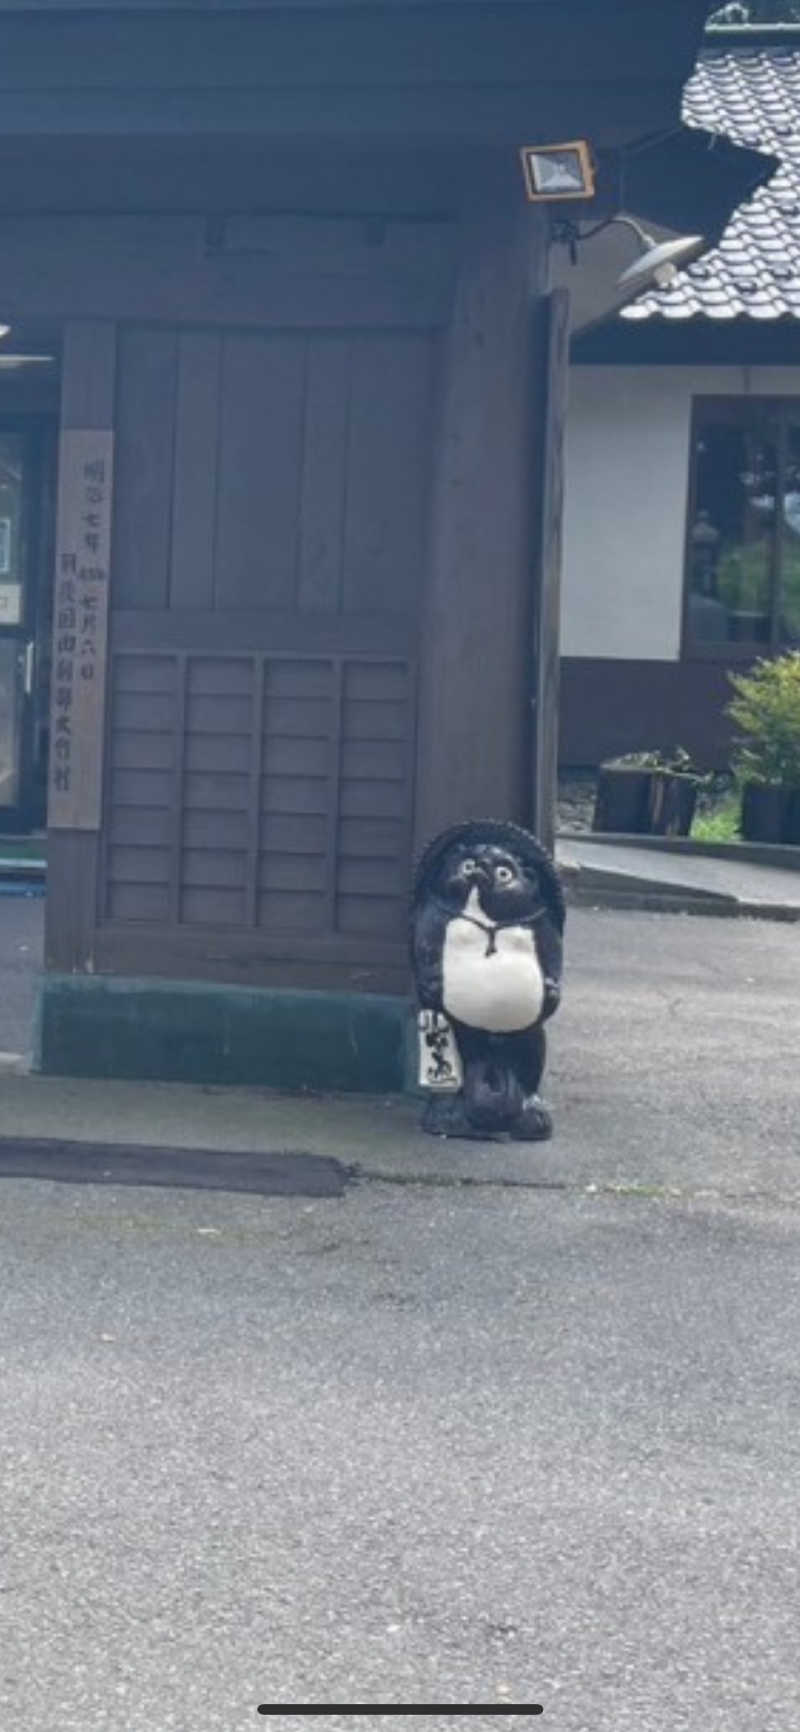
(752, 96)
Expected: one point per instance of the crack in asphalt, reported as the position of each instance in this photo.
(625, 1190)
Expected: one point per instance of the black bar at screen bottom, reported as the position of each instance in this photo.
(451, 1709)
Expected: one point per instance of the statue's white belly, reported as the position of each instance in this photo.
(501, 992)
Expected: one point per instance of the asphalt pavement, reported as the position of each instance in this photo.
(21, 946)
(490, 1426)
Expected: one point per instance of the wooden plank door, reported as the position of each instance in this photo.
(269, 547)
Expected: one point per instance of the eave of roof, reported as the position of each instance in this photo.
(745, 89)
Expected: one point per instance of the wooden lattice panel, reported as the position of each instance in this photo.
(270, 792)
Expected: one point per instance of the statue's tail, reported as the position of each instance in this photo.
(493, 1096)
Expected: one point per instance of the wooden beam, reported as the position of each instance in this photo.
(427, 114)
(474, 665)
(293, 273)
(551, 417)
(243, 630)
(353, 47)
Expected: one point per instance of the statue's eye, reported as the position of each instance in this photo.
(469, 868)
(503, 875)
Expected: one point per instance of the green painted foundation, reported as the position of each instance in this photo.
(178, 1031)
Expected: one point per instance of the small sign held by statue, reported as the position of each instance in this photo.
(486, 939)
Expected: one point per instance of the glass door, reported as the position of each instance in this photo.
(17, 644)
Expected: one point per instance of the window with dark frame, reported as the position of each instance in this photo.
(743, 540)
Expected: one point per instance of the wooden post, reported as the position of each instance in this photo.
(475, 629)
(552, 398)
(81, 580)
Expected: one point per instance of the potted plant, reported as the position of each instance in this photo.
(647, 794)
(766, 712)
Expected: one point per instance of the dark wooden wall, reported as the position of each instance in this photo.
(610, 707)
(270, 471)
(268, 552)
(320, 595)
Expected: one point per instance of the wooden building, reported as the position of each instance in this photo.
(682, 523)
(310, 386)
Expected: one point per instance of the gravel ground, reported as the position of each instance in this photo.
(576, 794)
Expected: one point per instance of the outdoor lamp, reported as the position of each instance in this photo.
(554, 172)
(659, 261)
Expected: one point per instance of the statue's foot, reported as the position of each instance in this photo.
(444, 1116)
(535, 1123)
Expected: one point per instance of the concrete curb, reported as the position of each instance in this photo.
(590, 887)
(747, 853)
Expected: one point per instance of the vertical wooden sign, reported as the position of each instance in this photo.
(80, 629)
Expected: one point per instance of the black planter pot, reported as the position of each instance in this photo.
(792, 826)
(671, 803)
(621, 802)
(644, 802)
(769, 813)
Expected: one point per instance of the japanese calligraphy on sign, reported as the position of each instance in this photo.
(80, 626)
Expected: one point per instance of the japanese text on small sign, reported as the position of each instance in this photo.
(81, 611)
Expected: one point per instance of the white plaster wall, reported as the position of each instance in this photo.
(627, 476)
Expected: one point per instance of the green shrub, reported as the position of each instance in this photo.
(722, 824)
(766, 713)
